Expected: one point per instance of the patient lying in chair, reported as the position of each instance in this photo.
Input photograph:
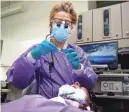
(74, 95)
(69, 98)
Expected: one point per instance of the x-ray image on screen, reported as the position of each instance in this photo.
(102, 53)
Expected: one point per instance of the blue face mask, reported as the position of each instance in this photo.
(60, 33)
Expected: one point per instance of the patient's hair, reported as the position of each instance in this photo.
(66, 7)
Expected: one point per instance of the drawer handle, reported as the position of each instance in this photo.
(116, 34)
(127, 33)
(87, 38)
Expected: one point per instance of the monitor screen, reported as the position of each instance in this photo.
(102, 53)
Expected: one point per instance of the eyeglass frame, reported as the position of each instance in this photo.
(61, 21)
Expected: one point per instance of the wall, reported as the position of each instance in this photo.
(32, 23)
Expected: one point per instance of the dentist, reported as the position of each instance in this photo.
(57, 62)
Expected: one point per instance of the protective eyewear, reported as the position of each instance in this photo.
(61, 21)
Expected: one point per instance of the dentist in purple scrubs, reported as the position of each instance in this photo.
(57, 62)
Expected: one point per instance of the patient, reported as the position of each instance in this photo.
(68, 97)
(74, 95)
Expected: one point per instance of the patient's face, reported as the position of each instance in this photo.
(74, 91)
(76, 85)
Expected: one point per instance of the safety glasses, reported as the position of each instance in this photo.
(60, 21)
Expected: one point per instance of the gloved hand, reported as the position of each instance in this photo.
(42, 49)
(73, 57)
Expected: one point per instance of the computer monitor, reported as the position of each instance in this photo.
(102, 53)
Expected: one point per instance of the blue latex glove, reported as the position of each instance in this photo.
(42, 49)
(73, 57)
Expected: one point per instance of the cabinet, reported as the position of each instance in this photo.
(107, 23)
(87, 26)
(125, 19)
(73, 35)
(123, 43)
(82, 32)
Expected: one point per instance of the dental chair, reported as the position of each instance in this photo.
(27, 91)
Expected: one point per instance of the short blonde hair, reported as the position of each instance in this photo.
(66, 7)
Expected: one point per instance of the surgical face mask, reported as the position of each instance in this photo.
(69, 92)
(60, 32)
